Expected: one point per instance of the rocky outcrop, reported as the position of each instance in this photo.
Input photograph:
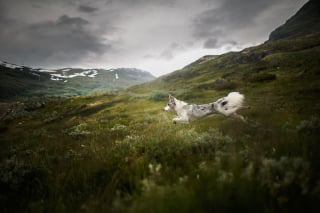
(11, 111)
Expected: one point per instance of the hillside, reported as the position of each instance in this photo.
(305, 21)
(23, 82)
(120, 151)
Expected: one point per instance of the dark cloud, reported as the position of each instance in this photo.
(87, 9)
(139, 3)
(229, 15)
(211, 43)
(64, 41)
(233, 20)
(169, 52)
(73, 22)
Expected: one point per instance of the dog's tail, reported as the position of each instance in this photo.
(230, 104)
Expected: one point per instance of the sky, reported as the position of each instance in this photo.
(159, 36)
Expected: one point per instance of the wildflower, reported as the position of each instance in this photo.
(155, 170)
(198, 176)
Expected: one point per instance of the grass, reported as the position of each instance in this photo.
(120, 152)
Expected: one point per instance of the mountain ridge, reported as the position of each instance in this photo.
(23, 82)
(305, 21)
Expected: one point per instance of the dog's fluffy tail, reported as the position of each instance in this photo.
(230, 104)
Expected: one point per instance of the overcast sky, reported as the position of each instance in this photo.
(159, 36)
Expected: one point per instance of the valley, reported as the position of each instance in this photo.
(19, 82)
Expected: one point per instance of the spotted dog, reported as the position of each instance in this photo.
(227, 106)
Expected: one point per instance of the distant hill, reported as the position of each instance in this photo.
(305, 21)
(24, 82)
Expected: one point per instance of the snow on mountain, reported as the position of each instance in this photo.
(68, 73)
(66, 70)
(64, 75)
(45, 70)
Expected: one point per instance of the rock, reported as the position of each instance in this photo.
(11, 111)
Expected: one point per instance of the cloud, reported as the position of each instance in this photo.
(214, 43)
(236, 20)
(87, 9)
(140, 3)
(229, 15)
(170, 51)
(65, 41)
(211, 43)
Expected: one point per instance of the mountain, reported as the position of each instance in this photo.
(305, 21)
(20, 81)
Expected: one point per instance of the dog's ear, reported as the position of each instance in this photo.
(171, 97)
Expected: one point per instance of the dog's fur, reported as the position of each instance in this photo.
(227, 106)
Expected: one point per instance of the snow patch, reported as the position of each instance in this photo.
(86, 73)
(54, 78)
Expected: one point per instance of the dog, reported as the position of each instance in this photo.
(227, 106)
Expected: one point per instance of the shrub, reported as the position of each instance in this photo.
(80, 130)
(19, 181)
(220, 84)
(158, 96)
(260, 77)
(309, 126)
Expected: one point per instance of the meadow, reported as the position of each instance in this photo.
(120, 152)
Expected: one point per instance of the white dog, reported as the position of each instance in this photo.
(227, 106)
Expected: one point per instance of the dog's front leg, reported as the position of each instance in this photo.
(235, 115)
(180, 120)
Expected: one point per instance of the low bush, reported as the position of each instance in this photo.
(158, 96)
(260, 77)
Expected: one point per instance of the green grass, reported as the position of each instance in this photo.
(120, 152)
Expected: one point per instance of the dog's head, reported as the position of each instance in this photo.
(171, 104)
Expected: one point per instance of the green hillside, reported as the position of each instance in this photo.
(120, 151)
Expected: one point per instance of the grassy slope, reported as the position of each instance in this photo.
(120, 151)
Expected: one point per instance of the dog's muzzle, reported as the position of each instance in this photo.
(167, 108)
